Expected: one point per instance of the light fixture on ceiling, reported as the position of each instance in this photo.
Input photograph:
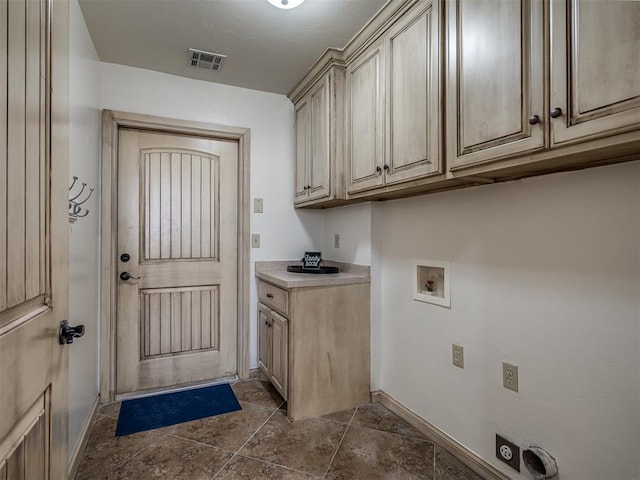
(286, 4)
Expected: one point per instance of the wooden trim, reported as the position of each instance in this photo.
(112, 121)
(78, 451)
(57, 227)
(437, 436)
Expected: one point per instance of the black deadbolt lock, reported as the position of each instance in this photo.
(125, 257)
(67, 332)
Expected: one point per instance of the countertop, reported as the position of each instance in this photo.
(276, 273)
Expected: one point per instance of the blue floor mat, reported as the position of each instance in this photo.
(172, 408)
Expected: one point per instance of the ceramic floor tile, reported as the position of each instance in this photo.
(449, 468)
(173, 458)
(258, 393)
(105, 452)
(304, 445)
(343, 416)
(374, 415)
(369, 454)
(228, 431)
(241, 468)
(110, 410)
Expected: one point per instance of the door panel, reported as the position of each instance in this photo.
(177, 217)
(495, 79)
(319, 163)
(33, 222)
(279, 353)
(365, 119)
(179, 320)
(599, 92)
(413, 101)
(264, 342)
(303, 126)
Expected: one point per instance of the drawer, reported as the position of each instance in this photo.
(273, 296)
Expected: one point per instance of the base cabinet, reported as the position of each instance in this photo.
(318, 357)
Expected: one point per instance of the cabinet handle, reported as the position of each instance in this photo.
(308, 187)
(386, 167)
(269, 295)
(534, 119)
(266, 323)
(378, 169)
(556, 112)
(305, 188)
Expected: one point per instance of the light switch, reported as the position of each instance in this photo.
(255, 240)
(257, 205)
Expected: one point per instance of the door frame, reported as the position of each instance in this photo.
(112, 122)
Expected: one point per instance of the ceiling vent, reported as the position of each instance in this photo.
(206, 60)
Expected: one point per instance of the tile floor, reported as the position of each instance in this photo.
(259, 443)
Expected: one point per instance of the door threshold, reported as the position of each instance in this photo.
(173, 389)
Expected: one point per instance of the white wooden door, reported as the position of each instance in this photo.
(413, 96)
(319, 161)
(495, 80)
(365, 119)
(177, 221)
(33, 246)
(595, 69)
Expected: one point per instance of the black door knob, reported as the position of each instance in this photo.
(533, 119)
(556, 112)
(125, 257)
(67, 332)
(378, 169)
(126, 276)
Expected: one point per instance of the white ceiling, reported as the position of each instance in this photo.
(268, 48)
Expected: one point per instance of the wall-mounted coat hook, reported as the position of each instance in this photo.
(75, 203)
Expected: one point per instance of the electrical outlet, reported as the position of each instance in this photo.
(257, 205)
(255, 240)
(336, 240)
(458, 355)
(508, 452)
(510, 376)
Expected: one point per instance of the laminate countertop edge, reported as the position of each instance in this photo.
(284, 279)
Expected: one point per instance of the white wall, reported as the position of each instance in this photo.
(84, 143)
(545, 273)
(285, 233)
(353, 224)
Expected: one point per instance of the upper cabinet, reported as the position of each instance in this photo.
(365, 119)
(438, 94)
(522, 85)
(595, 69)
(318, 115)
(495, 79)
(393, 107)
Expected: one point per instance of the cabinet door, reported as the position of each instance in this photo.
(495, 79)
(595, 68)
(365, 119)
(303, 128)
(413, 96)
(264, 340)
(319, 162)
(280, 353)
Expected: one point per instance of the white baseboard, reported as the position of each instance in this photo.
(74, 461)
(437, 436)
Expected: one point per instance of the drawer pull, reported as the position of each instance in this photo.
(269, 295)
